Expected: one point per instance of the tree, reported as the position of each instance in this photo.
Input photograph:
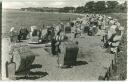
(123, 7)
(112, 4)
(90, 7)
(100, 6)
(67, 9)
(79, 9)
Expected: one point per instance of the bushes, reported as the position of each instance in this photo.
(122, 59)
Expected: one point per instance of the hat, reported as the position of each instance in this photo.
(78, 18)
(113, 26)
(61, 23)
(121, 28)
(33, 28)
(12, 29)
(112, 22)
(109, 17)
(116, 20)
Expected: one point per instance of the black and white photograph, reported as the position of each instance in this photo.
(63, 40)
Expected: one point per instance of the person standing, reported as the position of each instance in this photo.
(13, 35)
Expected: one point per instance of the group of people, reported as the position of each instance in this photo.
(100, 25)
(91, 24)
(107, 27)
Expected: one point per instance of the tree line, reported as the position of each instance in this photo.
(89, 7)
(98, 7)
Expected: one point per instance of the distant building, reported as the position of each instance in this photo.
(38, 9)
(48, 9)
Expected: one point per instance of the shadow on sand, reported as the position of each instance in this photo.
(30, 75)
(35, 66)
(77, 63)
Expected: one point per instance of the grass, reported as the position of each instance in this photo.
(16, 18)
(121, 64)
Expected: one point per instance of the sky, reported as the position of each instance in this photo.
(17, 4)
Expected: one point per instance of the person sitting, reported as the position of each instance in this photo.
(115, 40)
(35, 35)
(92, 29)
(23, 32)
(71, 24)
(67, 28)
(49, 33)
(77, 31)
(111, 30)
(33, 32)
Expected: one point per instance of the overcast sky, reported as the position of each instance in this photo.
(16, 4)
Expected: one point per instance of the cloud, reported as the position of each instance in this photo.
(55, 4)
(24, 4)
(44, 3)
(11, 5)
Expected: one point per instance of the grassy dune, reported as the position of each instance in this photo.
(121, 64)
